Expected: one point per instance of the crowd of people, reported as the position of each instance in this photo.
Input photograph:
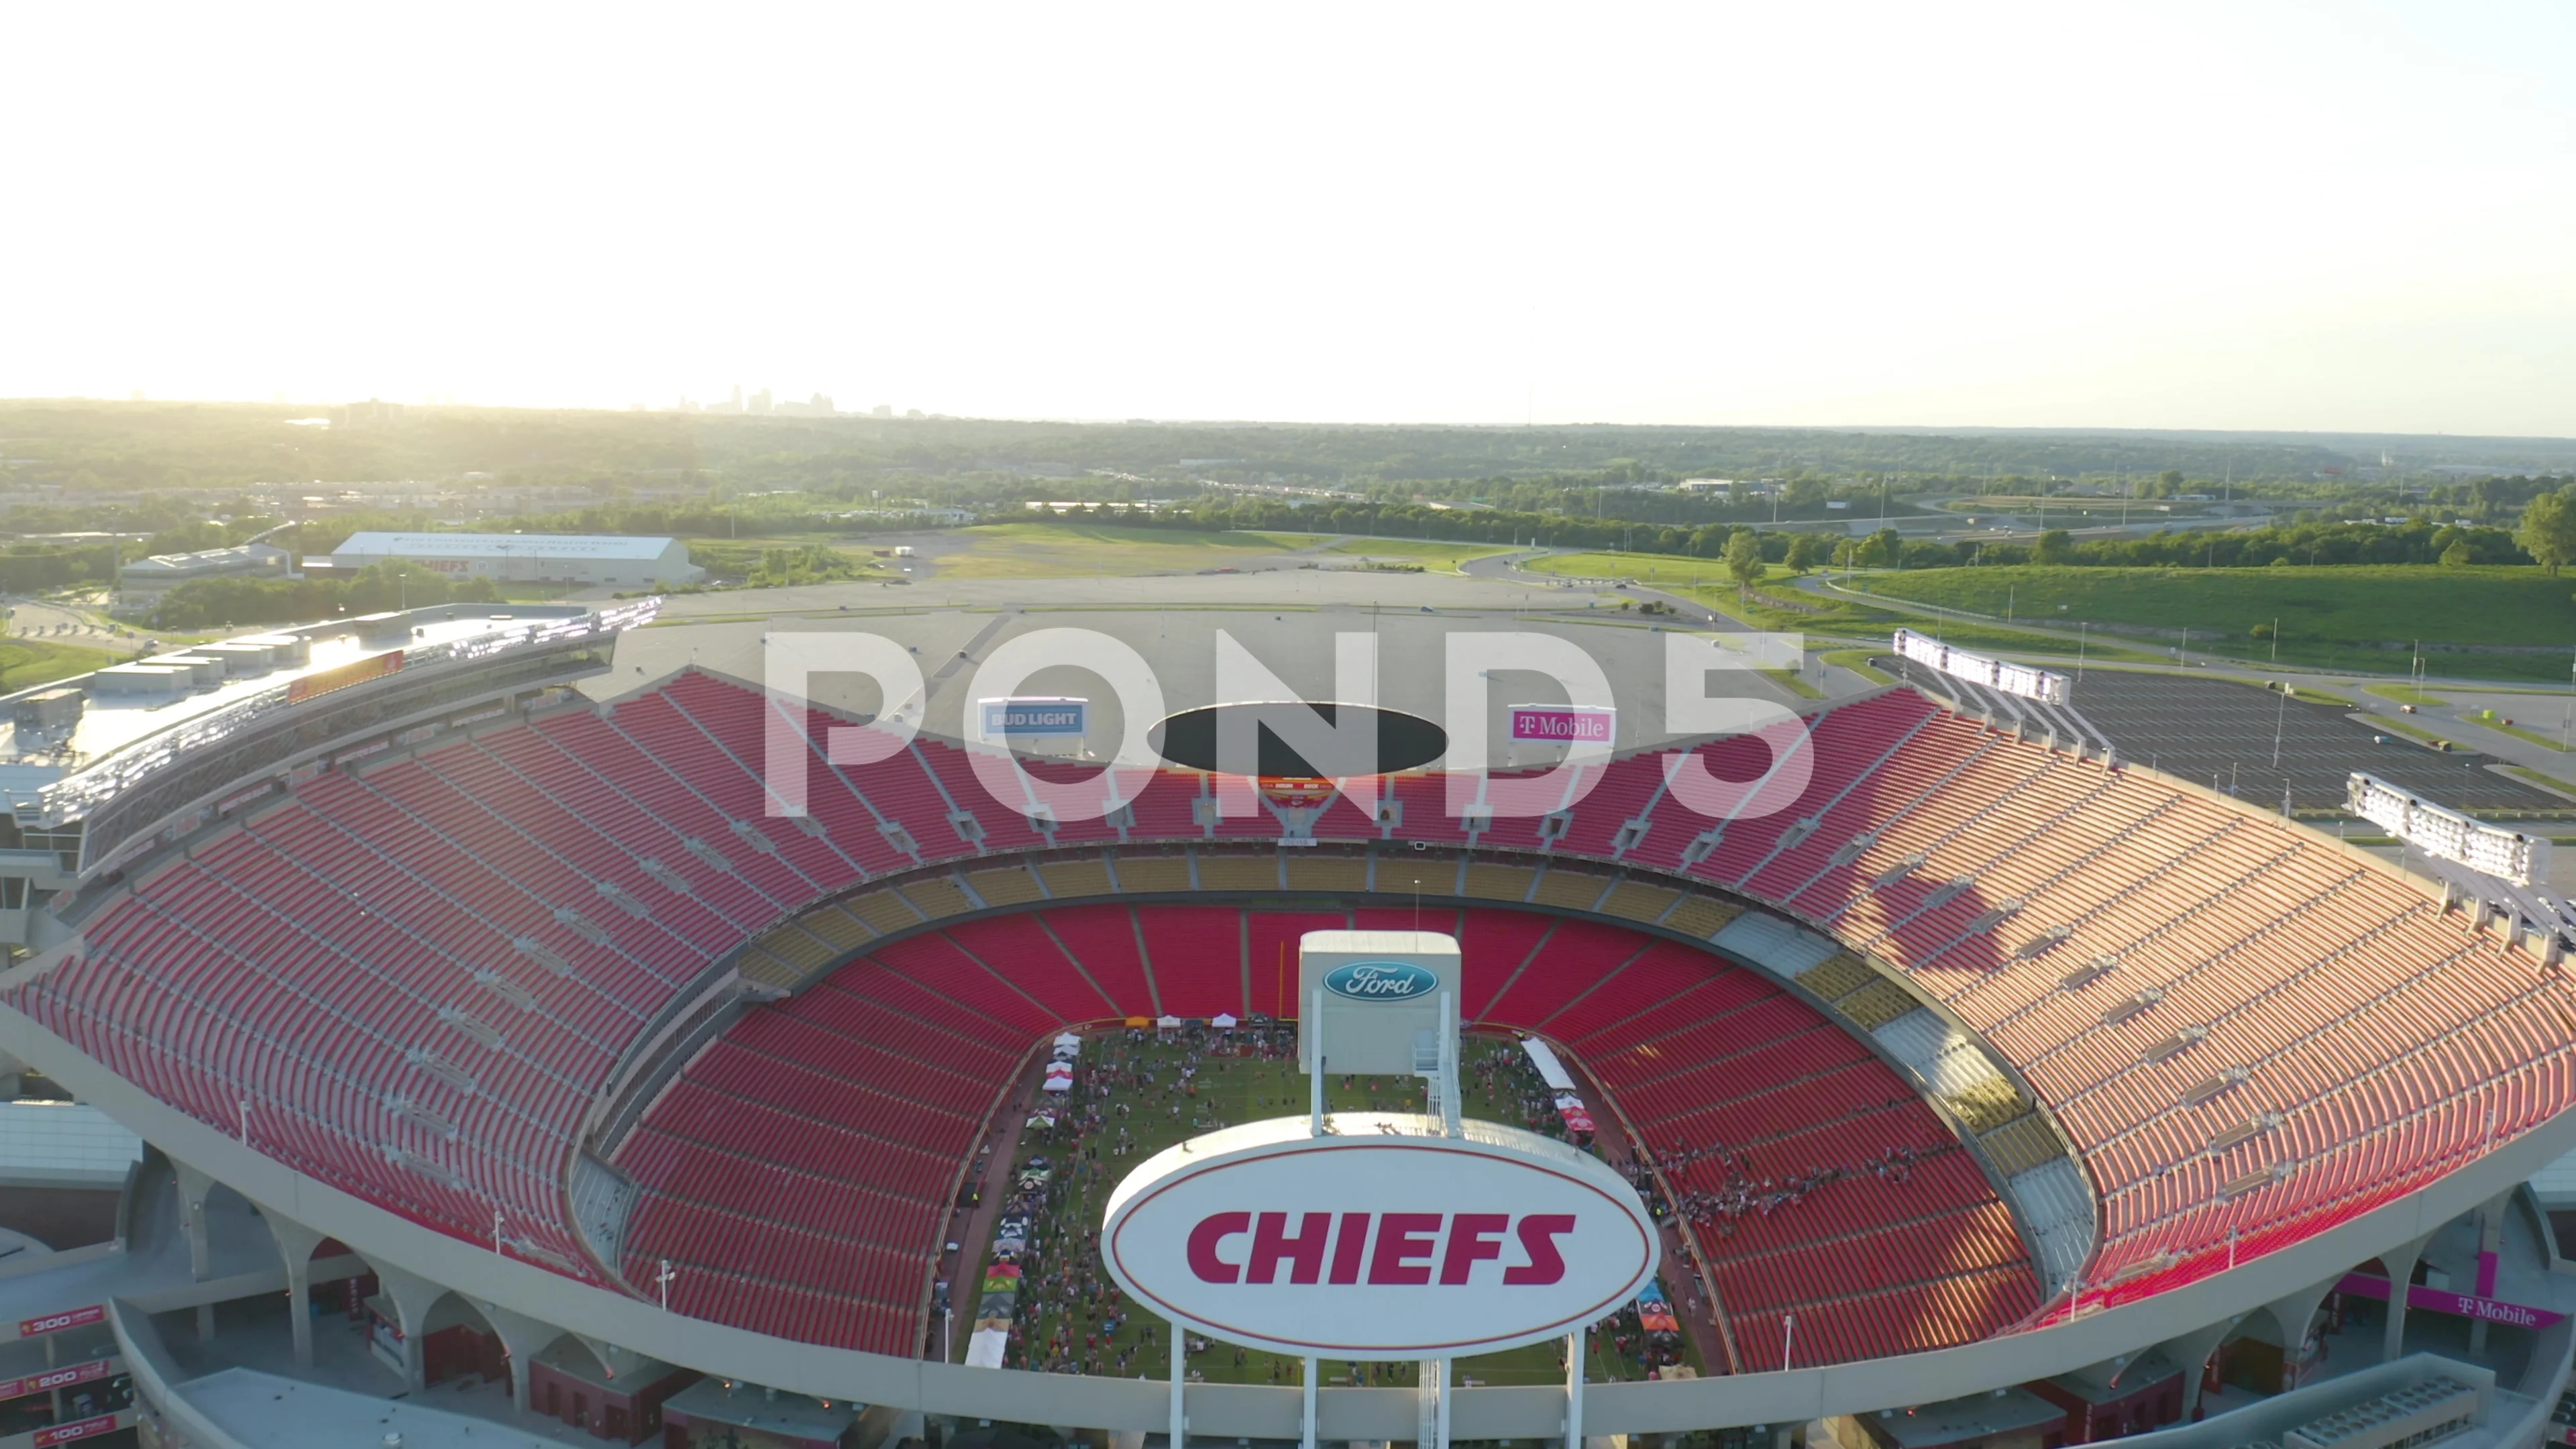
(1138, 1090)
(1717, 1188)
(1135, 1092)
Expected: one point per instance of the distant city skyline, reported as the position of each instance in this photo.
(2321, 217)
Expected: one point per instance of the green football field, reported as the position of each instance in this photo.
(1229, 1091)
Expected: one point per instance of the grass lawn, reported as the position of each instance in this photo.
(1430, 550)
(2404, 694)
(738, 555)
(26, 663)
(2488, 719)
(1661, 569)
(2411, 731)
(1070, 550)
(2546, 782)
(1857, 661)
(1792, 681)
(1775, 604)
(2357, 617)
(1830, 615)
(1227, 1090)
(2529, 737)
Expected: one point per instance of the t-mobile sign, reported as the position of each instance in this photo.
(1563, 723)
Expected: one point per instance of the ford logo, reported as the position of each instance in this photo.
(1381, 981)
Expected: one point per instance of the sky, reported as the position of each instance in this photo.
(2340, 217)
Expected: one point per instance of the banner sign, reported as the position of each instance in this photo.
(57, 1322)
(51, 1379)
(1563, 724)
(82, 1429)
(1034, 716)
(1577, 1117)
(2458, 1305)
(357, 671)
(1655, 1311)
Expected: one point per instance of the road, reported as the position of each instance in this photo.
(1833, 679)
(38, 619)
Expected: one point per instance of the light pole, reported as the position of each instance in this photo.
(2280, 717)
(1180, 1422)
(2567, 732)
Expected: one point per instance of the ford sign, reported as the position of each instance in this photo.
(1374, 1245)
(1381, 981)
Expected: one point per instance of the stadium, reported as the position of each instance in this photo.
(511, 1064)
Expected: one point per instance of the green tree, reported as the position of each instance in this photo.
(1879, 550)
(2457, 556)
(2548, 531)
(2055, 547)
(188, 538)
(395, 584)
(1744, 559)
(1805, 552)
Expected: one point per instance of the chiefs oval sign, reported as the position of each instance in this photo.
(1377, 1243)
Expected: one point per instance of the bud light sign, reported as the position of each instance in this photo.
(1381, 981)
(1034, 716)
(1563, 724)
(1370, 1245)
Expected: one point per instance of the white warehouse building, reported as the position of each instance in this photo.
(535, 558)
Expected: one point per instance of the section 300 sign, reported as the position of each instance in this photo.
(1376, 1246)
